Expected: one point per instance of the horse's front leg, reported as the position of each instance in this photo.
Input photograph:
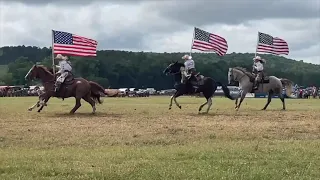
(243, 95)
(43, 103)
(35, 105)
(171, 99)
(236, 101)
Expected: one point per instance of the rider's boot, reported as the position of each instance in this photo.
(57, 87)
(255, 85)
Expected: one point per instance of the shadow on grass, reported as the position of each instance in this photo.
(212, 114)
(86, 115)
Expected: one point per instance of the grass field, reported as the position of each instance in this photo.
(139, 138)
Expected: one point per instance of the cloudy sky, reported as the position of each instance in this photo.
(164, 26)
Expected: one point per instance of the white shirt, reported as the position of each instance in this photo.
(189, 64)
(63, 66)
(258, 66)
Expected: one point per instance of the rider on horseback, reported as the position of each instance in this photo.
(190, 69)
(258, 70)
(64, 69)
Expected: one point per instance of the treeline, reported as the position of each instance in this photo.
(118, 69)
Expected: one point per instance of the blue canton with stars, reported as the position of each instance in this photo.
(62, 37)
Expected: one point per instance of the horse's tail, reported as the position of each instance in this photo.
(288, 84)
(96, 92)
(225, 90)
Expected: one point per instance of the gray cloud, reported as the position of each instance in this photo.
(164, 26)
(70, 2)
(204, 12)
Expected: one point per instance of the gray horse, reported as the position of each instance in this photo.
(271, 85)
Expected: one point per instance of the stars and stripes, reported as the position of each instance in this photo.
(205, 41)
(70, 44)
(273, 45)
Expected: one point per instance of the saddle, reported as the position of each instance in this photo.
(69, 79)
(264, 78)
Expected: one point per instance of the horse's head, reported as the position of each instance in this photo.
(235, 74)
(232, 75)
(32, 73)
(36, 71)
(173, 68)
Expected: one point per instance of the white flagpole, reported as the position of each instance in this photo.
(257, 45)
(192, 42)
(52, 54)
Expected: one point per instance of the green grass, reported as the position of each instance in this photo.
(139, 138)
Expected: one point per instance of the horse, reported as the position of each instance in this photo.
(206, 85)
(270, 84)
(79, 88)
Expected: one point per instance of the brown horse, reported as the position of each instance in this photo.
(72, 87)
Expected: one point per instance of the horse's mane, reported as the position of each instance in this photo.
(44, 68)
(244, 70)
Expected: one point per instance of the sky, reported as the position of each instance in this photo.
(164, 26)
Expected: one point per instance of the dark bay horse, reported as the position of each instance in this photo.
(72, 87)
(207, 86)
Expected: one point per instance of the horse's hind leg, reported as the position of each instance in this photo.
(209, 104)
(269, 100)
(201, 106)
(282, 100)
(171, 99)
(91, 102)
(77, 105)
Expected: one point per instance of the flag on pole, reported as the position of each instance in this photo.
(205, 41)
(274, 45)
(70, 44)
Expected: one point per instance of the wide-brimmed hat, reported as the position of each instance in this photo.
(60, 57)
(259, 59)
(186, 57)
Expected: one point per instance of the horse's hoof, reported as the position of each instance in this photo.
(263, 109)
(30, 109)
(169, 108)
(180, 107)
(237, 109)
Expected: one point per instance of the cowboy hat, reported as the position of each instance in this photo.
(185, 56)
(60, 57)
(259, 59)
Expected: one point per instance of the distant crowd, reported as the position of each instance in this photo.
(306, 92)
(16, 91)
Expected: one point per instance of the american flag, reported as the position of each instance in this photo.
(70, 44)
(273, 45)
(205, 41)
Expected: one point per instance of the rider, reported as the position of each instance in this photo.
(190, 69)
(64, 69)
(258, 70)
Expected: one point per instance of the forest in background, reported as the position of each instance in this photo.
(116, 69)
